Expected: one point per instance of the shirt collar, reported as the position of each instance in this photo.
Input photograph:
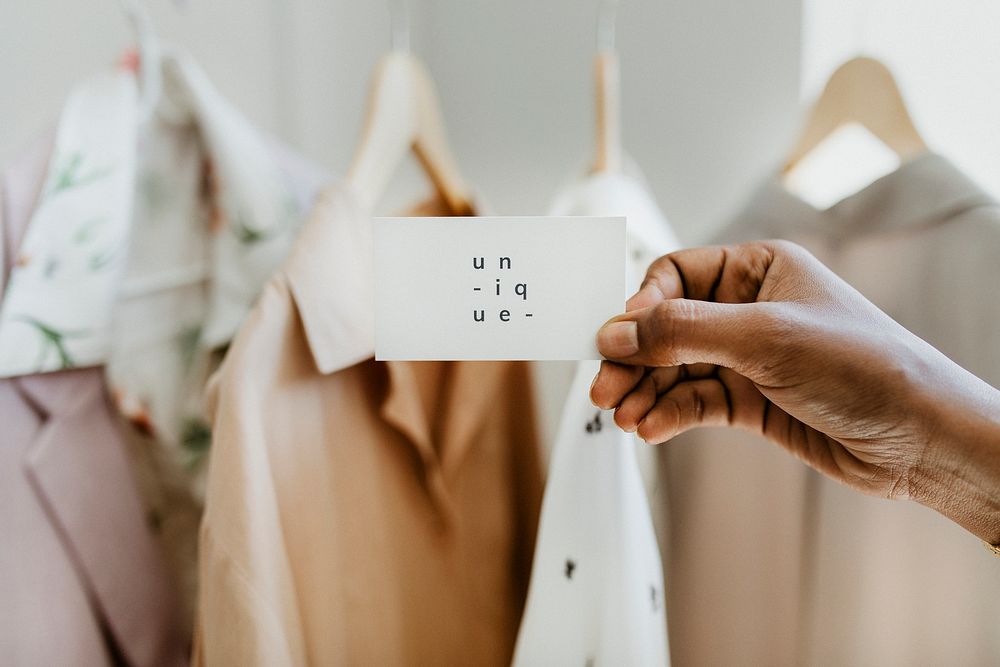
(60, 305)
(57, 304)
(20, 187)
(620, 193)
(330, 275)
(926, 190)
(330, 272)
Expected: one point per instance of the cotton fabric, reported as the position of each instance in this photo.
(361, 512)
(596, 595)
(795, 568)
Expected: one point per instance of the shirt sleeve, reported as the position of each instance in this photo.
(247, 608)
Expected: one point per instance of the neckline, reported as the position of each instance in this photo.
(922, 191)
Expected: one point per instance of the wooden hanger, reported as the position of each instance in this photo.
(607, 88)
(404, 115)
(862, 91)
(608, 155)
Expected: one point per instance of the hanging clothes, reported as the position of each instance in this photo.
(82, 579)
(361, 512)
(796, 568)
(596, 595)
(145, 246)
(150, 291)
(217, 207)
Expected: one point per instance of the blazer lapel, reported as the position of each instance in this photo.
(79, 469)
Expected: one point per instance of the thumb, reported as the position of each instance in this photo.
(685, 331)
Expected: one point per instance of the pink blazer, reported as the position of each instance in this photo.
(82, 580)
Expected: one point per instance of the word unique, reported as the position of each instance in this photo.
(499, 289)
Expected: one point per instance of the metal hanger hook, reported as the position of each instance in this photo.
(150, 74)
(607, 18)
(399, 25)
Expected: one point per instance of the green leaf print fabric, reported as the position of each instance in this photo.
(56, 311)
(149, 245)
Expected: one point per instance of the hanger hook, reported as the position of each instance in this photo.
(607, 17)
(150, 74)
(399, 25)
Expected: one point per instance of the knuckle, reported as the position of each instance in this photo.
(785, 247)
(664, 337)
(694, 403)
(678, 311)
(791, 253)
(662, 274)
(744, 271)
(660, 265)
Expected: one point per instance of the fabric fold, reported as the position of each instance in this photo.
(597, 592)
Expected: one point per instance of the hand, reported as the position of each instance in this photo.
(763, 337)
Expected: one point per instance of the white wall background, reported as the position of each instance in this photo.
(710, 87)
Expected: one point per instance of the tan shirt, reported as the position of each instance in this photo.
(361, 512)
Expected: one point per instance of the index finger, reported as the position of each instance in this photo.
(726, 274)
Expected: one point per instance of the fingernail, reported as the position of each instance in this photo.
(637, 427)
(616, 420)
(618, 339)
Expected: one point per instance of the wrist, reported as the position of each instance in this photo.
(959, 471)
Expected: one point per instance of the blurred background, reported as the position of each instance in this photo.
(713, 91)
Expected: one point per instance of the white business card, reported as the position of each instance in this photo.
(496, 287)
